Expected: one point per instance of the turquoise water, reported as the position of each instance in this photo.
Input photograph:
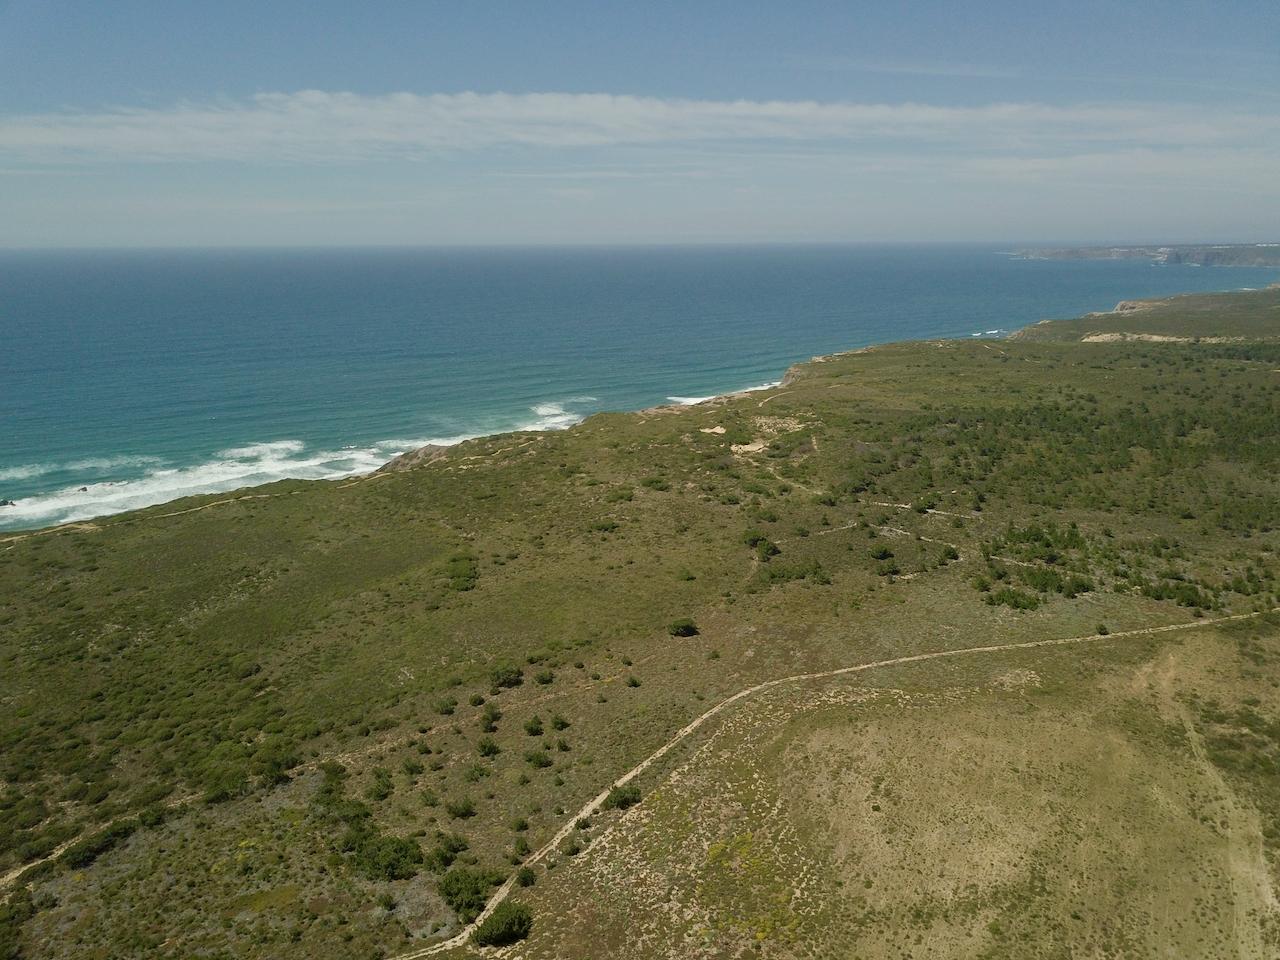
(128, 379)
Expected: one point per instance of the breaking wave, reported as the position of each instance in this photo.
(138, 482)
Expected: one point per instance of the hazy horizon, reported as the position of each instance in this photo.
(996, 245)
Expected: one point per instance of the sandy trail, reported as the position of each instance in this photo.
(593, 806)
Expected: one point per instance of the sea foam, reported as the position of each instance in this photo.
(232, 468)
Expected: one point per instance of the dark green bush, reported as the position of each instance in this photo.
(462, 572)
(446, 850)
(1012, 597)
(84, 852)
(537, 758)
(620, 798)
(509, 923)
(380, 856)
(506, 675)
(462, 808)
(766, 549)
(466, 891)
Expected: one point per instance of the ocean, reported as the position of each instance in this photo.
(132, 378)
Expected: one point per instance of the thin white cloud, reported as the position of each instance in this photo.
(319, 127)
(971, 71)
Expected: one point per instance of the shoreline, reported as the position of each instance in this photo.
(551, 417)
(411, 456)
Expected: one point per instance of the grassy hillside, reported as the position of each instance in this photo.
(1218, 317)
(327, 719)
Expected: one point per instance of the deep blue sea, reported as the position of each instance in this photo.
(131, 378)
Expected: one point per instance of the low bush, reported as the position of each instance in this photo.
(84, 852)
(466, 891)
(506, 675)
(447, 847)
(620, 798)
(537, 758)
(509, 923)
(462, 808)
(382, 857)
(684, 627)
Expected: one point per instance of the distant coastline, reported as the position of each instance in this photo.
(1193, 255)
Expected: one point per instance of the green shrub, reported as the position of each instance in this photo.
(526, 877)
(684, 627)
(462, 572)
(14, 912)
(506, 675)
(509, 923)
(446, 850)
(620, 798)
(488, 747)
(84, 852)
(382, 857)
(766, 549)
(533, 726)
(462, 808)
(1012, 597)
(466, 891)
(381, 787)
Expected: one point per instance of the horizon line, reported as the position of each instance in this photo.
(637, 244)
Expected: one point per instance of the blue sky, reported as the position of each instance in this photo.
(148, 123)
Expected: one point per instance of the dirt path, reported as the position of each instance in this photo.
(90, 527)
(9, 878)
(593, 806)
(45, 533)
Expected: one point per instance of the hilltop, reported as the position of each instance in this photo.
(937, 649)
